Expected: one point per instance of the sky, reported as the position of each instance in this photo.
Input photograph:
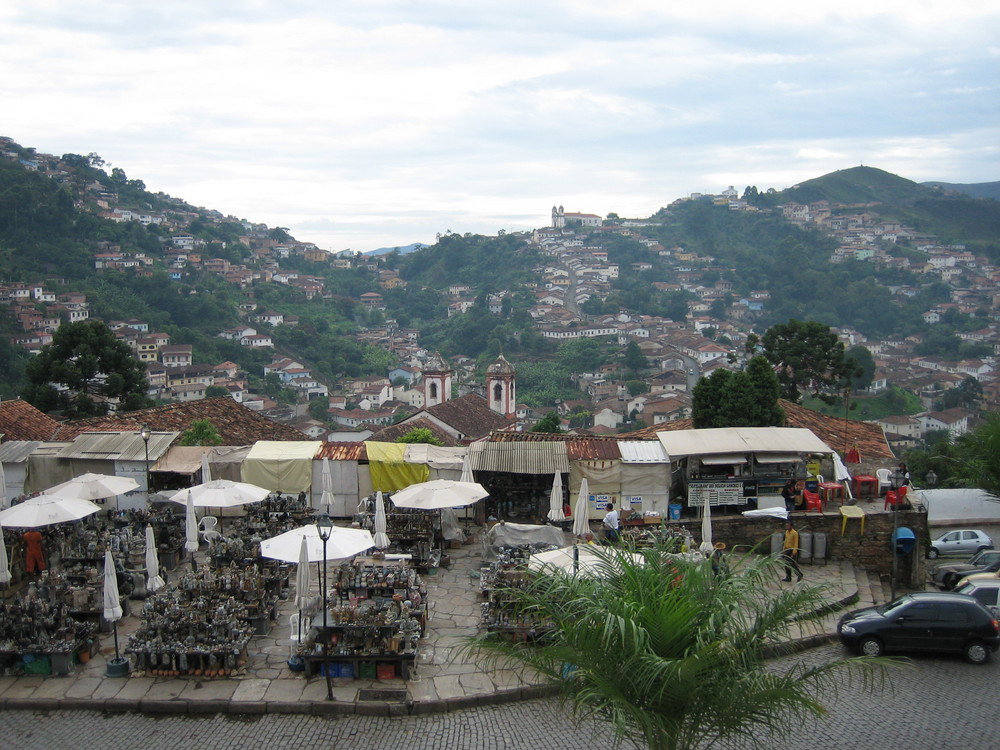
(377, 123)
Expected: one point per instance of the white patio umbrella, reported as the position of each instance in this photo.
(581, 511)
(381, 538)
(439, 493)
(4, 502)
(206, 469)
(706, 528)
(221, 493)
(842, 474)
(4, 561)
(154, 580)
(94, 486)
(190, 526)
(302, 578)
(46, 509)
(585, 559)
(112, 599)
(343, 543)
(326, 501)
(556, 499)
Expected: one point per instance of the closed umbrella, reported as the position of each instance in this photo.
(381, 538)
(343, 543)
(556, 514)
(153, 579)
(706, 528)
(46, 509)
(581, 512)
(4, 502)
(4, 562)
(439, 493)
(302, 577)
(206, 469)
(190, 529)
(467, 470)
(94, 486)
(113, 611)
(327, 499)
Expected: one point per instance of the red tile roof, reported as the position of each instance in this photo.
(19, 420)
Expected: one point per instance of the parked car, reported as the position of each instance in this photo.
(923, 621)
(942, 574)
(985, 591)
(960, 541)
(985, 576)
(952, 579)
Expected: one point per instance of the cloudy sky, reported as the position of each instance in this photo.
(364, 124)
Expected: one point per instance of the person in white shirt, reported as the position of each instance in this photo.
(610, 524)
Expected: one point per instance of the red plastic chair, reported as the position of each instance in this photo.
(813, 501)
(891, 499)
(901, 495)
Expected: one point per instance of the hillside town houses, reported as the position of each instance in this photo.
(575, 268)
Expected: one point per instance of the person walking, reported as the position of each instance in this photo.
(610, 524)
(788, 493)
(790, 552)
(34, 555)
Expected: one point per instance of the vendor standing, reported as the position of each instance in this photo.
(34, 555)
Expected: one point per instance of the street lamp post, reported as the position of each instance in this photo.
(325, 527)
(145, 433)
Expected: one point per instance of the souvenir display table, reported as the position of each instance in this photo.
(377, 615)
(509, 571)
(39, 631)
(411, 532)
(202, 625)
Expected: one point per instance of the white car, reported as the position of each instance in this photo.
(960, 542)
(984, 590)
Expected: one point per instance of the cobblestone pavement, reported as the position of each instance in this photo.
(935, 703)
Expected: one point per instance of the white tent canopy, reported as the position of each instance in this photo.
(741, 440)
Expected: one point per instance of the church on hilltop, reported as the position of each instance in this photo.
(560, 218)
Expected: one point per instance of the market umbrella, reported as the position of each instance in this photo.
(94, 487)
(327, 499)
(706, 528)
(381, 538)
(343, 543)
(439, 493)
(4, 562)
(46, 509)
(302, 577)
(206, 469)
(3, 488)
(190, 528)
(221, 493)
(585, 559)
(153, 579)
(842, 474)
(467, 470)
(112, 608)
(581, 512)
(556, 514)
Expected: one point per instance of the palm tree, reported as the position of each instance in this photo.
(670, 654)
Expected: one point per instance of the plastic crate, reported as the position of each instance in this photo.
(344, 669)
(37, 664)
(366, 670)
(386, 671)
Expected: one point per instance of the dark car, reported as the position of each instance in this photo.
(942, 573)
(951, 578)
(923, 621)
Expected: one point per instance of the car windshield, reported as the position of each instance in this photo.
(894, 606)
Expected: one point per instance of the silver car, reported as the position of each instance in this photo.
(960, 541)
(947, 574)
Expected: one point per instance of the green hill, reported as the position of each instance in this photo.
(858, 185)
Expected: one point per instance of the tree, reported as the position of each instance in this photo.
(738, 399)
(549, 423)
(214, 391)
(669, 654)
(634, 359)
(807, 354)
(967, 393)
(83, 370)
(635, 387)
(319, 408)
(419, 435)
(201, 432)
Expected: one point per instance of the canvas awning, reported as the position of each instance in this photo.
(718, 440)
(723, 459)
(281, 465)
(777, 458)
(182, 459)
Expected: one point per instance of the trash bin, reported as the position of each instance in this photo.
(675, 512)
(904, 539)
(819, 548)
(777, 541)
(805, 547)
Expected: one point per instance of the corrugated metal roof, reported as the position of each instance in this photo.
(354, 451)
(584, 449)
(642, 452)
(17, 451)
(118, 446)
(519, 458)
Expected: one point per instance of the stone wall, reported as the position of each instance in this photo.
(869, 551)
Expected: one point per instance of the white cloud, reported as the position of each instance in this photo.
(377, 123)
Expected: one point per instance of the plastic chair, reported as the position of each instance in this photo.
(901, 495)
(813, 501)
(294, 634)
(207, 529)
(891, 500)
(819, 479)
(884, 479)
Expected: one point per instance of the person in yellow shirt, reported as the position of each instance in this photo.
(790, 552)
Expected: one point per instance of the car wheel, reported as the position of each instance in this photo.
(976, 652)
(932, 553)
(871, 646)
